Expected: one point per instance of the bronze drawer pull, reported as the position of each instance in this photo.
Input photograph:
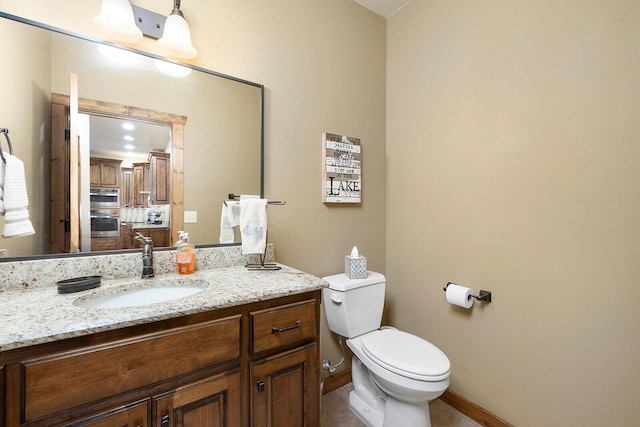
(275, 330)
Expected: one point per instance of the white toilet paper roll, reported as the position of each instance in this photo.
(459, 295)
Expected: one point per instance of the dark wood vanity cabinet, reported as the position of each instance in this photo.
(251, 365)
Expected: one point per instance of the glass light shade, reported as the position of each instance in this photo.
(176, 39)
(116, 18)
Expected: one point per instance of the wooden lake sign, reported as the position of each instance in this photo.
(341, 169)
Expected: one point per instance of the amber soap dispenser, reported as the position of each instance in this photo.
(186, 256)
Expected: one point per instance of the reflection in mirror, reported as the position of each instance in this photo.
(129, 145)
(220, 148)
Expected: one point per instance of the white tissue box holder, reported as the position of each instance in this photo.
(355, 268)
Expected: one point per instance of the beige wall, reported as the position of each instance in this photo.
(323, 67)
(513, 131)
(24, 110)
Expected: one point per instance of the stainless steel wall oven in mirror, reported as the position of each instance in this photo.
(104, 198)
(105, 223)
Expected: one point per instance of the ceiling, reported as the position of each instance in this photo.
(106, 136)
(384, 8)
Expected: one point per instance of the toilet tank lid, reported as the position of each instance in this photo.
(340, 282)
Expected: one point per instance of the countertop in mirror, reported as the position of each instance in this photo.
(138, 225)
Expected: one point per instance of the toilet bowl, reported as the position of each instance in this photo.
(402, 364)
(404, 370)
(395, 374)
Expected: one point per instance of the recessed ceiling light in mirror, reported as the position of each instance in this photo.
(129, 147)
(128, 138)
(128, 126)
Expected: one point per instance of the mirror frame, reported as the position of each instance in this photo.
(152, 56)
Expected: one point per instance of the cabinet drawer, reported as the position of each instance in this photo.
(73, 378)
(287, 324)
(131, 415)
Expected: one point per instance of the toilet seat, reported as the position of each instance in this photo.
(406, 355)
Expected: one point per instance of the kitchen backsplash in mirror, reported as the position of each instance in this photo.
(161, 170)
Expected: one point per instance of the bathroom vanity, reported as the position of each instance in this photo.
(244, 351)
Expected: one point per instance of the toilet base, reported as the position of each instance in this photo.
(398, 413)
(376, 410)
(395, 413)
(370, 416)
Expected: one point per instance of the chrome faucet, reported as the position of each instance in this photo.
(147, 256)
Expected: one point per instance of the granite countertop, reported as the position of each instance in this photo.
(40, 315)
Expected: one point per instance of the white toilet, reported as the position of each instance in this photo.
(395, 374)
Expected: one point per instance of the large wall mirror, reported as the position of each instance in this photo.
(194, 137)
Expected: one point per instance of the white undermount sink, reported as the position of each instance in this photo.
(145, 293)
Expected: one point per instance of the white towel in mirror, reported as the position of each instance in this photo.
(229, 209)
(16, 201)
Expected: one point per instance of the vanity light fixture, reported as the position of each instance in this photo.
(176, 38)
(127, 23)
(116, 18)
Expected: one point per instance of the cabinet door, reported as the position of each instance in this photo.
(160, 174)
(212, 402)
(2, 381)
(126, 237)
(285, 389)
(160, 237)
(104, 172)
(109, 174)
(126, 192)
(94, 174)
(133, 415)
(140, 184)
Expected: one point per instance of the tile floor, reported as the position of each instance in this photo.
(335, 412)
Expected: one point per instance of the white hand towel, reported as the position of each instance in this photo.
(16, 201)
(253, 225)
(226, 230)
(233, 212)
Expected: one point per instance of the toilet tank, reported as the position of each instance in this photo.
(354, 306)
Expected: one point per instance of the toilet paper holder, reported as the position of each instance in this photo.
(484, 296)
